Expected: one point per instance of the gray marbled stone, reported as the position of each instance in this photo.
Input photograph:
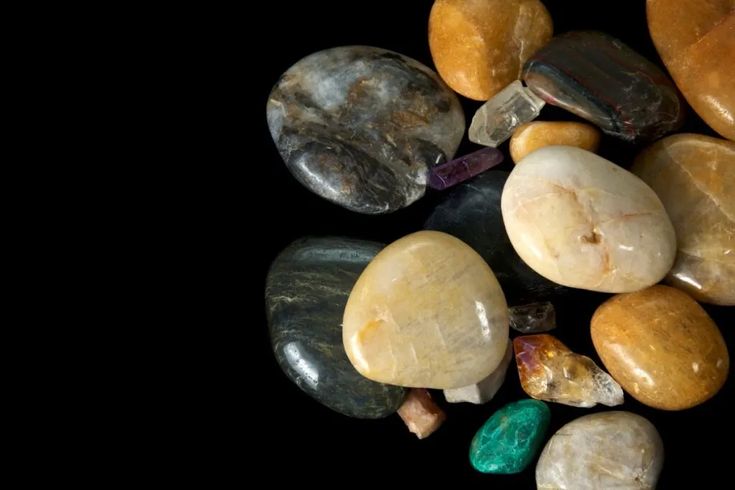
(361, 126)
(306, 291)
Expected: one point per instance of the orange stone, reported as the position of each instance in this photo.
(534, 135)
(480, 46)
(661, 346)
(696, 41)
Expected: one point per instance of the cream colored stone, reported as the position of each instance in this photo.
(534, 135)
(485, 390)
(426, 312)
(582, 221)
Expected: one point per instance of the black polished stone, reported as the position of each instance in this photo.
(471, 212)
(306, 291)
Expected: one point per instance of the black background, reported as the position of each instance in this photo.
(312, 444)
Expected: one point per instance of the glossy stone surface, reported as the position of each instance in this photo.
(479, 46)
(495, 121)
(463, 168)
(420, 414)
(361, 126)
(696, 41)
(600, 79)
(550, 371)
(582, 221)
(306, 291)
(661, 346)
(485, 390)
(694, 176)
(532, 317)
(534, 135)
(510, 438)
(426, 312)
(471, 212)
(615, 449)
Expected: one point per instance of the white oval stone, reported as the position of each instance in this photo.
(582, 221)
(426, 312)
(618, 450)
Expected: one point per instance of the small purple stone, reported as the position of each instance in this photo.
(463, 168)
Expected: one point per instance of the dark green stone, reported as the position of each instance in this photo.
(305, 295)
(509, 440)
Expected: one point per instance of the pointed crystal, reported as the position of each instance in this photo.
(463, 168)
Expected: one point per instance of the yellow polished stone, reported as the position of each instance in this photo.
(534, 135)
(480, 46)
(696, 41)
(426, 312)
(694, 176)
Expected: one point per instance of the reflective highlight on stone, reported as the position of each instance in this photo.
(600, 79)
(361, 126)
(619, 450)
(534, 135)
(550, 371)
(485, 390)
(306, 292)
(533, 317)
(463, 168)
(510, 438)
(420, 414)
(495, 121)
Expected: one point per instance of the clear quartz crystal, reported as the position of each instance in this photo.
(496, 120)
(533, 317)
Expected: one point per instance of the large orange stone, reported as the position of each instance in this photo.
(696, 41)
(661, 346)
(480, 46)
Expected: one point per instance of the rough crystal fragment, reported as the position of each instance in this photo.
(533, 317)
(463, 168)
(421, 415)
(496, 120)
(486, 389)
(550, 371)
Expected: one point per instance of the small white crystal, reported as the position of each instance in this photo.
(485, 390)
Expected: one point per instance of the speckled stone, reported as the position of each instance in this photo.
(361, 126)
(306, 291)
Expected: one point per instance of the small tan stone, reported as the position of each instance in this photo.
(420, 414)
(480, 46)
(534, 135)
(661, 346)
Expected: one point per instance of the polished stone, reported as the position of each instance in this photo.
(582, 221)
(420, 414)
(661, 346)
(361, 126)
(511, 437)
(694, 176)
(485, 390)
(550, 371)
(471, 212)
(618, 450)
(696, 41)
(479, 46)
(600, 79)
(532, 317)
(306, 291)
(426, 312)
(534, 135)
(463, 168)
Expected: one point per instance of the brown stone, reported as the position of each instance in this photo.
(534, 135)
(694, 176)
(480, 46)
(420, 414)
(661, 346)
(696, 41)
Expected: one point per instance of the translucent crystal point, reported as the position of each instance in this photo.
(463, 168)
(533, 317)
(496, 120)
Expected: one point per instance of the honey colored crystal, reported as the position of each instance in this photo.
(480, 46)
(534, 135)
(661, 346)
(694, 176)
(696, 41)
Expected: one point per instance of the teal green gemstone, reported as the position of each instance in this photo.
(510, 438)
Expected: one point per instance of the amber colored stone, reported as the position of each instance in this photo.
(420, 414)
(480, 46)
(534, 135)
(661, 346)
(696, 41)
(694, 176)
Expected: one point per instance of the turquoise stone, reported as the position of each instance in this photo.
(508, 441)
